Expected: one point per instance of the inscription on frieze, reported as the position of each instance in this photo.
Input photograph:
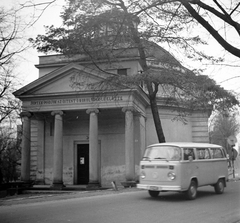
(77, 100)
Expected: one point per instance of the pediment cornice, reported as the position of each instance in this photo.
(79, 76)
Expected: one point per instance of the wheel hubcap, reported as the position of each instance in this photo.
(221, 186)
(193, 191)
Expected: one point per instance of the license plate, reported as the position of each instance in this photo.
(153, 188)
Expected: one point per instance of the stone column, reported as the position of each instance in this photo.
(129, 147)
(142, 121)
(58, 151)
(40, 153)
(93, 148)
(26, 147)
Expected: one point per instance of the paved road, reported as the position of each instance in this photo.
(129, 206)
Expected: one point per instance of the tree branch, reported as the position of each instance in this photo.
(225, 17)
(233, 50)
(235, 9)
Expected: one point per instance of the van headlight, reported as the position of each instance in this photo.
(171, 175)
(143, 174)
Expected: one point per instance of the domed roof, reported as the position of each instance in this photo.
(159, 54)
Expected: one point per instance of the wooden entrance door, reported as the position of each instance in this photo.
(82, 163)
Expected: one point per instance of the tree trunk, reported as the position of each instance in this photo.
(151, 94)
(155, 113)
(152, 98)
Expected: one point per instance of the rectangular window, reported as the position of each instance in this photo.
(162, 153)
(203, 153)
(187, 152)
(216, 153)
(122, 71)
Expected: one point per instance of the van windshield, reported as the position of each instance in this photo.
(162, 153)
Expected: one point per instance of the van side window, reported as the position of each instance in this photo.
(187, 152)
(216, 153)
(203, 153)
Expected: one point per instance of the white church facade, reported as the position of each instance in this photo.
(90, 137)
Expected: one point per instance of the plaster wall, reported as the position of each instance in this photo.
(174, 131)
(45, 70)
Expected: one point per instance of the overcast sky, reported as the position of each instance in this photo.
(51, 16)
(27, 72)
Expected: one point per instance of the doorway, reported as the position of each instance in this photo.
(82, 163)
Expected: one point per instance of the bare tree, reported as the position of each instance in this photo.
(217, 17)
(91, 26)
(222, 126)
(12, 45)
(204, 13)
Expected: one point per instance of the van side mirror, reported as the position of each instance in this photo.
(190, 158)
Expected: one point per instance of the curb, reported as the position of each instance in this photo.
(22, 198)
(234, 179)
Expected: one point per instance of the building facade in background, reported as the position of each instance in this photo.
(75, 134)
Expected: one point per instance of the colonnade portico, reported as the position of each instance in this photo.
(94, 153)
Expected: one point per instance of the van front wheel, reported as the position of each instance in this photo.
(219, 186)
(153, 193)
(191, 193)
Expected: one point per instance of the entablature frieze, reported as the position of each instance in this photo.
(81, 102)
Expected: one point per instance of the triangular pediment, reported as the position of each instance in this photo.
(70, 78)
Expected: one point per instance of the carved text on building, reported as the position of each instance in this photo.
(77, 100)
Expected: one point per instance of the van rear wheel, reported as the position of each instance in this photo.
(153, 193)
(191, 193)
(219, 186)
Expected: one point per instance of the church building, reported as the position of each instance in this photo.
(75, 134)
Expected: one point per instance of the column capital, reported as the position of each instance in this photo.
(92, 110)
(128, 108)
(141, 114)
(25, 114)
(59, 112)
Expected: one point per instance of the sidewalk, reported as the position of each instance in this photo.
(32, 196)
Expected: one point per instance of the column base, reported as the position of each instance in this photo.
(93, 185)
(129, 184)
(57, 186)
(25, 183)
(39, 182)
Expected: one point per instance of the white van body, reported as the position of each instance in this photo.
(183, 167)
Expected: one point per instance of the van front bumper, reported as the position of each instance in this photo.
(159, 187)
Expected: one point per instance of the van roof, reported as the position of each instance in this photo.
(186, 144)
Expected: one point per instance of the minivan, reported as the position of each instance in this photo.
(183, 167)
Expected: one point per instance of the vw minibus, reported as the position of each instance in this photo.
(183, 167)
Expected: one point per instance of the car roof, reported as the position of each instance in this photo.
(186, 144)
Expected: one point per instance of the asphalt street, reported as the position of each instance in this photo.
(126, 205)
